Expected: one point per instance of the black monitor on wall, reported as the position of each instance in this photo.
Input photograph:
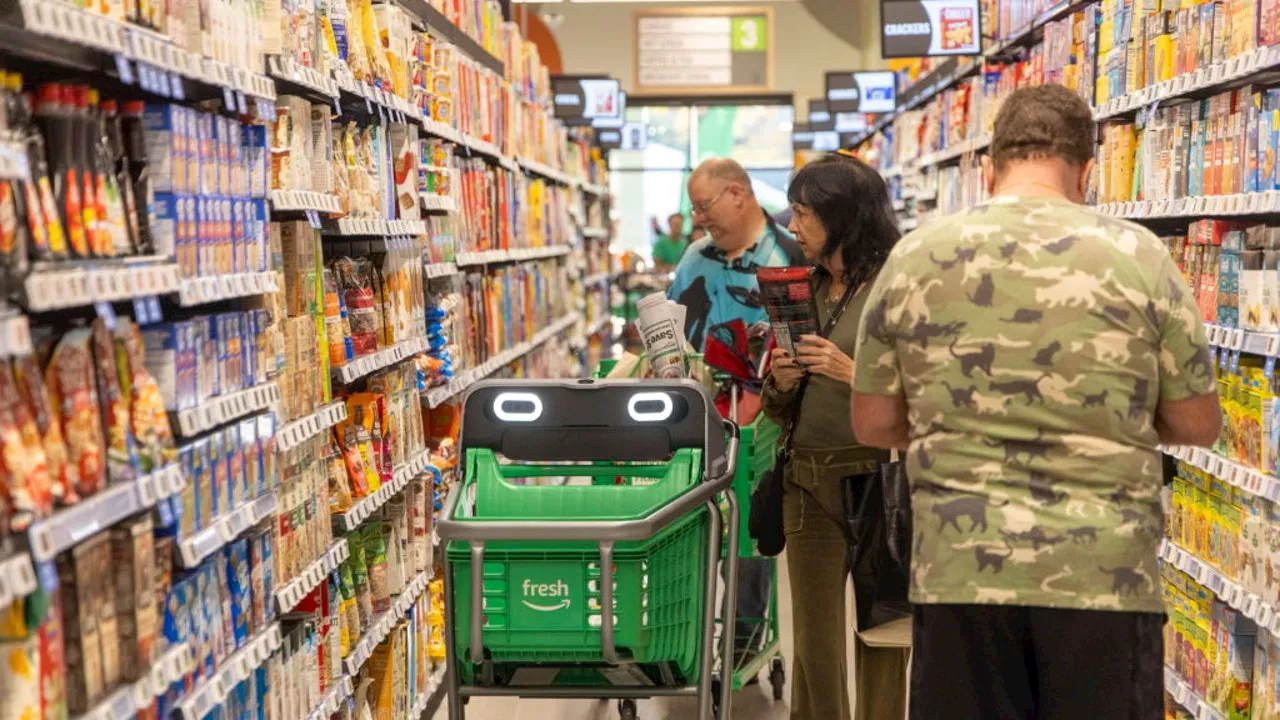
(820, 118)
(614, 122)
(582, 100)
(930, 28)
(862, 91)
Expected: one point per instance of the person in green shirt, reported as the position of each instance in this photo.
(669, 247)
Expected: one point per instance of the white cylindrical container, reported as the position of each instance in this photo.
(661, 337)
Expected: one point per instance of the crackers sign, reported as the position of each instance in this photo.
(704, 50)
(925, 28)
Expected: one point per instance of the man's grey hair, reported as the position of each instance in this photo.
(725, 170)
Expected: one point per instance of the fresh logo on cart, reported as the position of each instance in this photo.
(548, 596)
(545, 595)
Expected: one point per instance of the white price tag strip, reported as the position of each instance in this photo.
(294, 591)
(295, 433)
(225, 408)
(385, 622)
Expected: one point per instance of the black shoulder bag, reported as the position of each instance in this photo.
(764, 518)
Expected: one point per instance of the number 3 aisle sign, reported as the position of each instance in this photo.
(704, 50)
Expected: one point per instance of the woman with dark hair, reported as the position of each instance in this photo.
(845, 225)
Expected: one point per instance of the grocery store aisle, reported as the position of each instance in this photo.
(753, 703)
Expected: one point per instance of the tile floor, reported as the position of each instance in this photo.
(752, 703)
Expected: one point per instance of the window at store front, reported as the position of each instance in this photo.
(650, 183)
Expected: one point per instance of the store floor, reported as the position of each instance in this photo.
(753, 703)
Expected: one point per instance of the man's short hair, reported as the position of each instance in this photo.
(1043, 122)
(725, 170)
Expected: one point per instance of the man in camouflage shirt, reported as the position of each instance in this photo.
(1030, 354)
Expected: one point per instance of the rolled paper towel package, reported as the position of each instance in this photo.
(661, 324)
(788, 299)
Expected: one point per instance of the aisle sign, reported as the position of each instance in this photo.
(927, 28)
(871, 91)
(820, 118)
(704, 50)
(851, 122)
(582, 100)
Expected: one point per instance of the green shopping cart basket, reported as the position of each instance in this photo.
(531, 610)
(757, 452)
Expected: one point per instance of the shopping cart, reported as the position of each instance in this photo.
(757, 452)
(530, 614)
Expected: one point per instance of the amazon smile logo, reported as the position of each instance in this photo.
(545, 594)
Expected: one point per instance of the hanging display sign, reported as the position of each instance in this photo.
(820, 118)
(928, 28)
(852, 122)
(616, 121)
(704, 50)
(584, 100)
(873, 91)
(805, 137)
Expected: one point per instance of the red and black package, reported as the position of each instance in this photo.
(788, 299)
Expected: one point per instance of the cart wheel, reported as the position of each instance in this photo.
(627, 709)
(715, 697)
(777, 677)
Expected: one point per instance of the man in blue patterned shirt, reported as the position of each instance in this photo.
(716, 282)
(716, 278)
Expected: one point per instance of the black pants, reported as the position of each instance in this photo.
(988, 662)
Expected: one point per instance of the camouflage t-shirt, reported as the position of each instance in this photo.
(1033, 339)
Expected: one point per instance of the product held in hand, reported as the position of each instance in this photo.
(788, 298)
(661, 328)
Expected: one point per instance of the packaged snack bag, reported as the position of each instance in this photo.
(35, 395)
(122, 459)
(69, 377)
(152, 433)
(25, 483)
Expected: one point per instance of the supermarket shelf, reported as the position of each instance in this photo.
(1228, 590)
(593, 189)
(55, 286)
(318, 85)
(1027, 35)
(235, 669)
(367, 227)
(223, 530)
(1182, 694)
(1250, 480)
(61, 33)
(295, 433)
(899, 205)
(362, 97)
(1195, 208)
(436, 21)
(595, 233)
(597, 279)
(288, 597)
(599, 326)
(438, 395)
(70, 526)
(15, 335)
(487, 149)
(1207, 80)
(544, 170)
(964, 147)
(361, 510)
(379, 628)
(486, 257)
(441, 130)
(438, 203)
(17, 578)
(425, 700)
(332, 701)
(439, 270)
(136, 697)
(304, 201)
(200, 290)
(1245, 341)
(224, 409)
(360, 367)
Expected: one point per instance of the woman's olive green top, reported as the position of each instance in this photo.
(824, 430)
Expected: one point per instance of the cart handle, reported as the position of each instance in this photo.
(480, 530)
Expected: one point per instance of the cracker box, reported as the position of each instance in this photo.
(133, 561)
